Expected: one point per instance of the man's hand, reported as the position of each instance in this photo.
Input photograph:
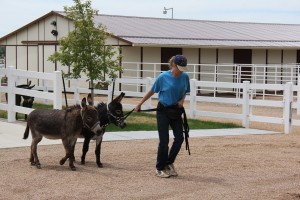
(180, 103)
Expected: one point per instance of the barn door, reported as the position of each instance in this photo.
(298, 62)
(166, 54)
(244, 56)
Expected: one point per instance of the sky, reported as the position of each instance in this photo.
(17, 13)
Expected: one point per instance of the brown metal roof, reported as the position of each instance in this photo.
(143, 31)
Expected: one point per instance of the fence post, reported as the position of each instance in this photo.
(193, 103)
(287, 110)
(148, 87)
(76, 92)
(246, 105)
(11, 96)
(57, 90)
(109, 92)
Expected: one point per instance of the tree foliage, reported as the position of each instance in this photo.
(84, 48)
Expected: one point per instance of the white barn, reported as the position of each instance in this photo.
(146, 43)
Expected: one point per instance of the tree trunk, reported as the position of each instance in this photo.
(92, 90)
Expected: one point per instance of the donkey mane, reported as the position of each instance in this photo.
(102, 109)
(100, 105)
(73, 107)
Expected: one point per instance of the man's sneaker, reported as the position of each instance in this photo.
(162, 173)
(171, 170)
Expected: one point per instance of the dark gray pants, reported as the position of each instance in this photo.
(164, 156)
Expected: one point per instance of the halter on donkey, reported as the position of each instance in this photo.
(111, 114)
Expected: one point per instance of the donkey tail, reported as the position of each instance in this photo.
(26, 133)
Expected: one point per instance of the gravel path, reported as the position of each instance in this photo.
(242, 167)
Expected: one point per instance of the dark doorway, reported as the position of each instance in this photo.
(298, 61)
(298, 56)
(166, 54)
(244, 56)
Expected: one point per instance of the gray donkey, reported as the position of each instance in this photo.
(64, 124)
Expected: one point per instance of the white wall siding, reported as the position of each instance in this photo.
(33, 58)
(49, 66)
(131, 54)
(41, 30)
(22, 36)
(33, 32)
(22, 57)
(151, 55)
(289, 56)
(274, 56)
(62, 27)
(11, 56)
(114, 41)
(208, 56)
(258, 56)
(11, 40)
(225, 56)
(192, 55)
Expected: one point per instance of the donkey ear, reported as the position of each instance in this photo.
(83, 102)
(89, 99)
(120, 97)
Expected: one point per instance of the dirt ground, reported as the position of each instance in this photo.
(262, 167)
(240, 167)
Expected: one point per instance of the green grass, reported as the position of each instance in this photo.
(147, 122)
(21, 117)
(139, 121)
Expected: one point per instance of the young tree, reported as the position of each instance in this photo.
(84, 48)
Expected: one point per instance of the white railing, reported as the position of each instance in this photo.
(246, 101)
(13, 76)
(231, 73)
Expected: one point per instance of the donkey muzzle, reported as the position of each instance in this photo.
(97, 129)
(122, 124)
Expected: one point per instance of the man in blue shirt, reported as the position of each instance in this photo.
(171, 86)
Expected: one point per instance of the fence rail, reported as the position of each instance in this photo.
(232, 73)
(53, 92)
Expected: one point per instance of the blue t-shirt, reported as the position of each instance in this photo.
(171, 89)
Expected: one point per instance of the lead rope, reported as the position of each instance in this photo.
(127, 114)
(186, 130)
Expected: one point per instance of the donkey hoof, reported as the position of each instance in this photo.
(61, 162)
(73, 168)
(38, 166)
(100, 165)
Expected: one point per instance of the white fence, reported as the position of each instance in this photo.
(246, 101)
(229, 73)
(13, 76)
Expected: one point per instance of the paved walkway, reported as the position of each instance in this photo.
(11, 134)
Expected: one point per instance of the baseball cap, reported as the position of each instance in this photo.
(181, 62)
